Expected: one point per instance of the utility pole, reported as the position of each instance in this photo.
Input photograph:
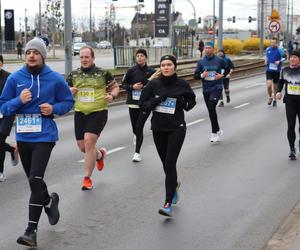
(40, 17)
(91, 20)
(261, 44)
(214, 14)
(68, 36)
(287, 36)
(26, 20)
(137, 23)
(292, 19)
(220, 33)
(1, 50)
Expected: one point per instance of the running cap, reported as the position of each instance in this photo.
(169, 57)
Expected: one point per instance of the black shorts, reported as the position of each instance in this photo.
(91, 123)
(273, 75)
(6, 124)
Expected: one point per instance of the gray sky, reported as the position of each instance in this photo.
(80, 9)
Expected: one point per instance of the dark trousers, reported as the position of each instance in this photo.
(292, 111)
(168, 145)
(4, 147)
(35, 157)
(138, 119)
(211, 100)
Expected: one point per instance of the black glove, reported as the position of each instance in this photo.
(181, 102)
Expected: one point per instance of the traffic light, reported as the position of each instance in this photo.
(199, 20)
(233, 19)
(298, 31)
(249, 19)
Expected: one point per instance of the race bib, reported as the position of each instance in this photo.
(293, 89)
(273, 66)
(28, 123)
(168, 106)
(211, 76)
(86, 95)
(136, 94)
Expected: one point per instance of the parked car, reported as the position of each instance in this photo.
(77, 47)
(104, 45)
(93, 44)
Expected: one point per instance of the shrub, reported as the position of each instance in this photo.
(253, 43)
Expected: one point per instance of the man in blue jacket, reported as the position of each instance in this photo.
(212, 69)
(273, 61)
(35, 94)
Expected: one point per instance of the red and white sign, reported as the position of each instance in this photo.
(274, 26)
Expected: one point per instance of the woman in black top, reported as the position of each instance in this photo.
(168, 96)
(290, 79)
(134, 81)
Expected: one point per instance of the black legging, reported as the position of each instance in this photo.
(292, 111)
(211, 101)
(35, 157)
(138, 119)
(4, 147)
(168, 145)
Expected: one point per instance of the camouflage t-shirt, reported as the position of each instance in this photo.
(91, 89)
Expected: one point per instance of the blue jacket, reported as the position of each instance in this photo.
(214, 65)
(46, 87)
(273, 55)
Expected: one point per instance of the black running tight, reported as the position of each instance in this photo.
(4, 147)
(35, 157)
(168, 145)
(292, 111)
(138, 119)
(211, 100)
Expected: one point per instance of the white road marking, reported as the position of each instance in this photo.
(109, 152)
(194, 122)
(255, 85)
(242, 105)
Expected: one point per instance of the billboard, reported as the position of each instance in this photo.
(9, 25)
(162, 17)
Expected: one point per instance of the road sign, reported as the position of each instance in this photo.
(274, 26)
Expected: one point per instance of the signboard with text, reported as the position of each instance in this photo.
(162, 15)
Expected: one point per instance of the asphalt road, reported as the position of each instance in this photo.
(234, 195)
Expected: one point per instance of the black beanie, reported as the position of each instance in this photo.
(142, 51)
(169, 57)
(295, 53)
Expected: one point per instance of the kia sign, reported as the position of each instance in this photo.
(162, 14)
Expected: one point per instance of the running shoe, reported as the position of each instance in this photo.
(136, 157)
(15, 156)
(270, 100)
(52, 211)
(292, 155)
(100, 162)
(28, 239)
(221, 104)
(274, 103)
(216, 137)
(166, 210)
(87, 183)
(2, 177)
(228, 99)
(176, 195)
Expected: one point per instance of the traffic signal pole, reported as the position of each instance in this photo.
(68, 37)
(220, 32)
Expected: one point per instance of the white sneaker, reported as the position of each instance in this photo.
(2, 177)
(216, 137)
(134, 140)
(136, 157)
(219, 133)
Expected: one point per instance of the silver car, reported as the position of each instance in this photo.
(77, 47)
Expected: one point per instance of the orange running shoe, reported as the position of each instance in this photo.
(100, 162)
(87, 183)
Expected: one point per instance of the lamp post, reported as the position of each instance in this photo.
(0, 29)
(40, 18)
(220, 33)
(193, 8)
(261, 44)
(25, 20)
(68, 36)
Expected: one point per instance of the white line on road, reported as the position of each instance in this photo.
(194, 122)
(242, 105)
(255, 85)
(109, 152)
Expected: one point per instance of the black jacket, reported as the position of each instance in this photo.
(134, 75)
(3, 77)
(173, 92)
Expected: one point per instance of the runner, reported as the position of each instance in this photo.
(167, 96)
(290, 80)
(134, 81)
(212, 70)
(6, 124)
(92, 88)
(229, 64)
(35, 94)
(274, 57)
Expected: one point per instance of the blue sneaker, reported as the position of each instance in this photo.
(176, 195)
(166, 210)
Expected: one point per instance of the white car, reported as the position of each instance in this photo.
(77, 47)
(104, 45)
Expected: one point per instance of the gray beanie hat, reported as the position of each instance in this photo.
(37, 44)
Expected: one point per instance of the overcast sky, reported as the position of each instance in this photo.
(80, 9)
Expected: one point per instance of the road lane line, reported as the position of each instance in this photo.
(194, 122)
(242, 105)
(109, 152)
